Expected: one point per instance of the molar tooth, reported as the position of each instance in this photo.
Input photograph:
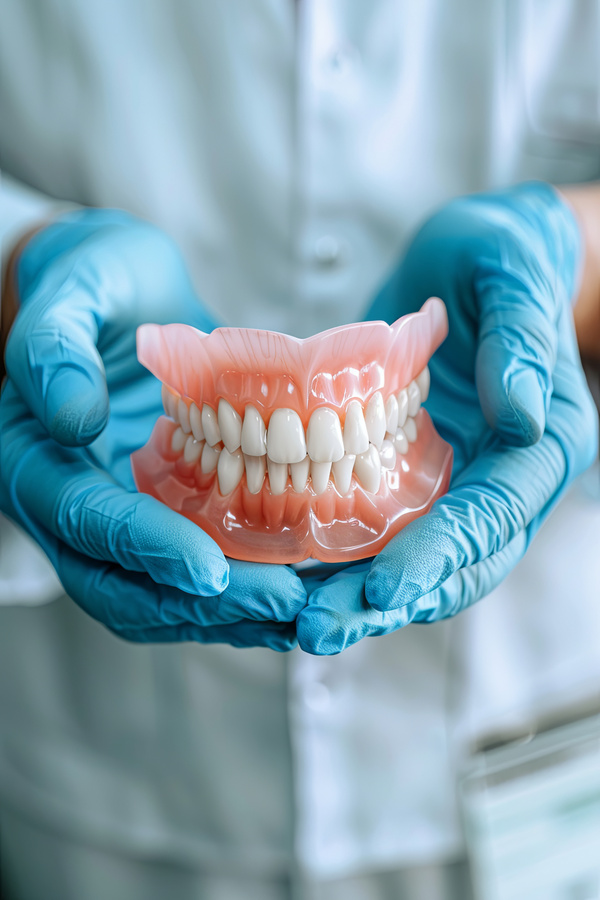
(230, 468)
(183, 415)
(402, 398)
(300, 472)
(356, 438)
(210, 458)
(285, 438)
(166, 396)
(342, 473)
(196, 422)
(230, 425)
(423, 379)
(256, 467)
(178, 439)
(254, 433)
(391, 414)
(375, 419)
(192, 450)
(210, 425)
(410, 430)
(367, 469)
(401, 442)
(319, 473)
(278, 473)
(387, 455)
(414, 398)
(324, 436)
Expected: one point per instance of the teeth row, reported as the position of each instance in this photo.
(369, 440)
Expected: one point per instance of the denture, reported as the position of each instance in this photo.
(283, 449)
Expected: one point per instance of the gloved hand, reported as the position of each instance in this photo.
(76, 403)
(507, 391)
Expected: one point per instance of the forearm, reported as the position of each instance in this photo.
(585, 202)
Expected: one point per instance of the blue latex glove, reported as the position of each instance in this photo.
(76, 403)
(507, 391)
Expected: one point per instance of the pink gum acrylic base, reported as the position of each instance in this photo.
(269, 370)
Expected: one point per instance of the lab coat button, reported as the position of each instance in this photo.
(328, 251)
(317, 696)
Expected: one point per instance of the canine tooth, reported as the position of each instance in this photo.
(401, 442)
(210, 458)
(230, 468)
(192, 450)
(356, 439)
(183, 414)
(285, 437)
(391, 414)
(375, 419)
(342, 473)
(256, 466)
(230, 425)
(278, 473)
(387, 455)
(367, 469)
(319, 473)
(410, 430)
(178, 439)
(324, 436)
(210, 425)
(300, 472)
(414, 398)
(402, 398)
(196, 422)
(423, 379)
(254, 433)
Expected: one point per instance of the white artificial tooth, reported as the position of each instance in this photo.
(300, 472)
(254, 433)
(423, 379)
(401, 442)
(319, 474)
(210, 425)
(285, 437)
(391, 414)
(230, 468)
(356, 438)
(402, 398)
(367, 469)
(166, 395)
(178, 439)
(278, 473)
(196, 422)
(414, 398)
(183, 414)
(324, 436)
(387, 455)
(256, 466)
(210, 458)
(410, 430)
(170, 402)
(375, 419)
(342, 473)
(230, 425)
(192, 450)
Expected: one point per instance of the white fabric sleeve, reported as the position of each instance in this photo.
(26, 576)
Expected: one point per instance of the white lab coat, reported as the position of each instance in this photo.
(290, 149)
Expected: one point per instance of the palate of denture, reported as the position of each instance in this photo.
(367, 469)
(178, 440)
(401, 442)
(230, 425)
(402, 398)
(230, 468)
(210, 425)
(391, 414)
(356, 438)
(410, 430)
(414, 399)
(387, 454)
(300, 472)
(324, 439)
(375, 419)
(209, 458)
(278, 473)
(319, 475)
(342, 473)
(285, 437)
(196, 422)
(254, 432)
(256, 467)
(192, 450)
(184, 416)
(424, 381)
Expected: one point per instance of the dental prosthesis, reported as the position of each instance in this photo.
(283, 449)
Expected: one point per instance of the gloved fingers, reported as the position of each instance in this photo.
(263, 592)
(62, 491)
(496, 497)
(278, 636)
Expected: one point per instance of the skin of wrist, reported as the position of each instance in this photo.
(10, 293)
